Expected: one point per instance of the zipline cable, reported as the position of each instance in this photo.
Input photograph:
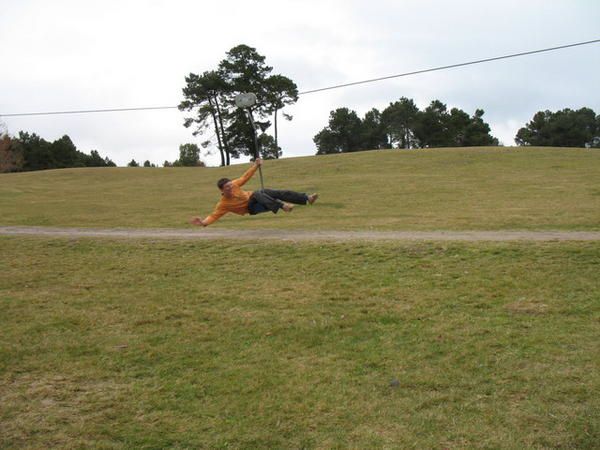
(451, 66)
(372, 80)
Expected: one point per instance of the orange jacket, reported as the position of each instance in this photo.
(237, 203)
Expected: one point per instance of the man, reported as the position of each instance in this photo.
(238, 201)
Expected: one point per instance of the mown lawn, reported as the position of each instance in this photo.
(144, 344)
(439, 189)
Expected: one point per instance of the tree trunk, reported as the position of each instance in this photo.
(217, 132)
(219, 140)
(225, 145)
(276, 143)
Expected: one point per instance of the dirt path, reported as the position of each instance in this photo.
(299, 235)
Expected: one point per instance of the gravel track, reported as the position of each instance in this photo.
(300, 235)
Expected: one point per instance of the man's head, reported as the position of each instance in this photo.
(225, 185)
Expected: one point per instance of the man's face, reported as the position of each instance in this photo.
(227, 189)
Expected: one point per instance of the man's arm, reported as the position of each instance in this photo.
(216, 215)
(248, 174)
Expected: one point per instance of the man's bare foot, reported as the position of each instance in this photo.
(287, 207)
(312, 198)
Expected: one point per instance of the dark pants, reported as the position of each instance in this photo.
(272, 200)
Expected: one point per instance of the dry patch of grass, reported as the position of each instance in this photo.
(51, 410)
(524, 306)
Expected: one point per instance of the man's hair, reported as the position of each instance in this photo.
(222, 182)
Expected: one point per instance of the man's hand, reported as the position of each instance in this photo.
(258, 162)
(197, 221)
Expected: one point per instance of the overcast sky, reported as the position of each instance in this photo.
(68, 55)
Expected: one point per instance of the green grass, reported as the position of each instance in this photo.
(143, 344)
(214, 344)
(450, 189)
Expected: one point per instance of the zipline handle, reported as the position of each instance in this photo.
(256, 149)
(246, 101)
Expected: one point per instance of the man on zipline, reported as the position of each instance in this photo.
(235, 200)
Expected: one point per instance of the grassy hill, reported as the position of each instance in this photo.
(462, 188)
(140, 343)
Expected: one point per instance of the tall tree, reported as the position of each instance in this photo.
(245, 70)
(431, 128)
(373, 135)
(400, 119)
(65, 154)
(477, 132)
(212, 96)
(204, 95)
(457, 123)
(341, 135)
(36, 151)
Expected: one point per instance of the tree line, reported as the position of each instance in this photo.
(402, 125)
(31, 152)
